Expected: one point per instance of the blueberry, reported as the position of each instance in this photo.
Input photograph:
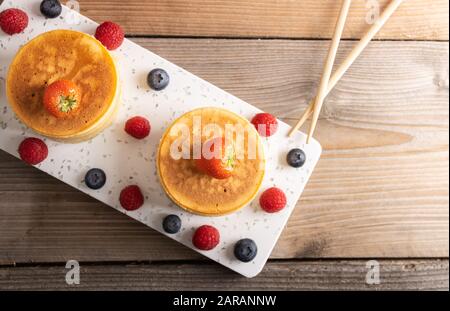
(245, 250)
(51, 8)
(172, 224)
(158, 79)
(296, 158)
(95, 178)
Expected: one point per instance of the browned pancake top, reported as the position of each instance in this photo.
(200, 193)
(55, 55)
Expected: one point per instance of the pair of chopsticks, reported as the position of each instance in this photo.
(327, 84)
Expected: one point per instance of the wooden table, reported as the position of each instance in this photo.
(380, 190)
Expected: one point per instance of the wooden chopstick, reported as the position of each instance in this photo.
(356, 51)
(329, 63)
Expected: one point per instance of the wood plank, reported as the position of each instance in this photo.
(380, 190)
(415, 20)
(280, 276)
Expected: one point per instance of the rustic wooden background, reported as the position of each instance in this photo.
(380, 191)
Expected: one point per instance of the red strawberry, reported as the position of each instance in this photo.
(272, 200)
(265, 123)
(33, 150)
(62, 98)
(131, 198)
(218, 167)
(110, 34)
(206, 238)
(13, 21)
(138, 127)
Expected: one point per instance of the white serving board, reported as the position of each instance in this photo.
(129, 161)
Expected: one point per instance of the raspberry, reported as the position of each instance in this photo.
(13, 21)
(272, 200)
(131, 198)
(206, 238)
(265, 123)
(33, 150)
(138, 127)
(110, 34)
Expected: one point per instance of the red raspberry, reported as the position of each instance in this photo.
(206, 238)
(265, 123)
(131, 198)
(13, 21)
(110, 35)
(272, 200)
(33, 150)
(138, 127)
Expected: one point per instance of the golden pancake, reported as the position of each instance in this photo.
(197, 192)
(70, 55)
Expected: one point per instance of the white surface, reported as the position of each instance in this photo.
(129, 161)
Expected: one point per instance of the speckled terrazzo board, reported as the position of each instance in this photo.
(128, 161)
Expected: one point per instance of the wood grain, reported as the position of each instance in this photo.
(380, 190)
(415, 20)
(279, 276)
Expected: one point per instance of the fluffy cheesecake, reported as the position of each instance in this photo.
(197, 192)
(69, 55)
